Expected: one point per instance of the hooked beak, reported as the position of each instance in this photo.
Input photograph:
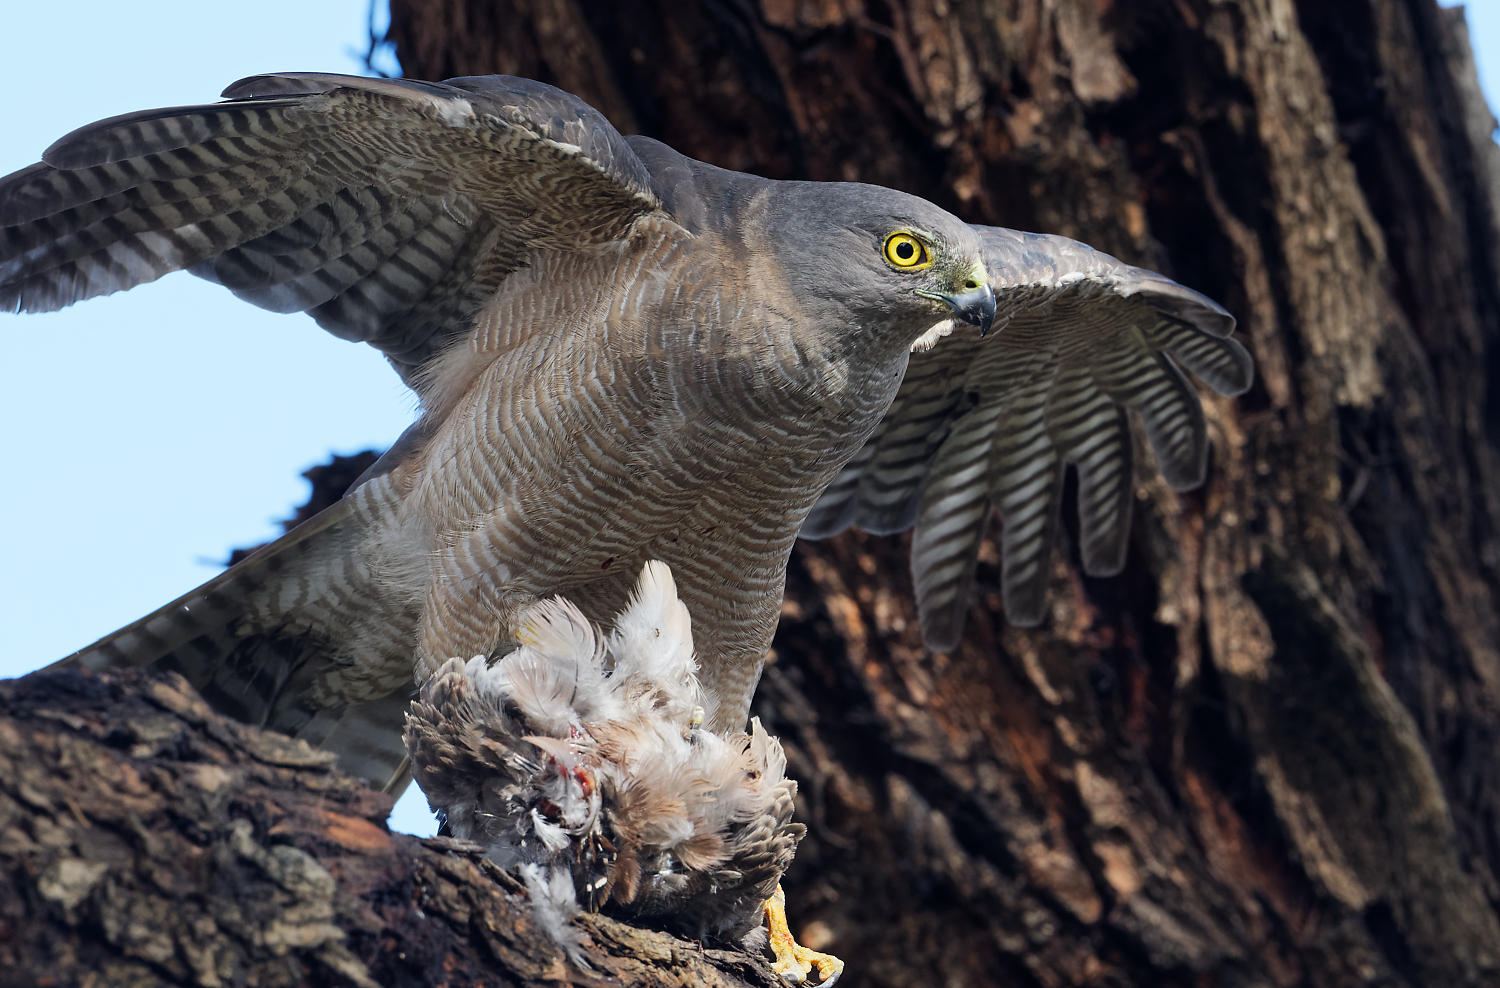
(975, 307)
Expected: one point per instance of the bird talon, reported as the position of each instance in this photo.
(794, 962)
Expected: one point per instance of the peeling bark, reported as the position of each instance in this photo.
(1265, 754)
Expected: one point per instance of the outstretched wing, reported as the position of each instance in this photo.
(388, 210)
(994, 422)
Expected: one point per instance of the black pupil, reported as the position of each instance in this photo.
(905, 250)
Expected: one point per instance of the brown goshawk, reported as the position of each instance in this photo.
(622, 355)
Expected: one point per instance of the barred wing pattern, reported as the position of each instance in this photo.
(994, 423)
(388, 210)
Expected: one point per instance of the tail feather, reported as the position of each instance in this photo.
(193, 629)
(274, 673)
(367, 739)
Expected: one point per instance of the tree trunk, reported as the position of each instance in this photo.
(1266, 754)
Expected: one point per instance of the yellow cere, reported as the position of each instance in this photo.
(907, 251)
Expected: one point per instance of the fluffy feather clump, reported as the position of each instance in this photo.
(580, 761)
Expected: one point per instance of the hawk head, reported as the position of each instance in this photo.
(886, 268)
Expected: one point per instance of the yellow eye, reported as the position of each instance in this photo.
(906, 251)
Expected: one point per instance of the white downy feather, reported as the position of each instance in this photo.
(652, 647)
(553, 903)
(556, 676)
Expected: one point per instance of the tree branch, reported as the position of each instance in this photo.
(145, 840)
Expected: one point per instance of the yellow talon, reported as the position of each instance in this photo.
(793, 961)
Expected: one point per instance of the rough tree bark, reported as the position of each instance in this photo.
(1266, 754)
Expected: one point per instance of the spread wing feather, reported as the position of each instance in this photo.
(994, 423)
(929, 402)
(387, 209)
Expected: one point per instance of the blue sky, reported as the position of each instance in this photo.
(154, 430)
(1483, 17)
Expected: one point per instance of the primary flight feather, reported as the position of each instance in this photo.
(622, 355)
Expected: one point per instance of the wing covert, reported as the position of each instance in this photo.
(388, 209)
(983, 423)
